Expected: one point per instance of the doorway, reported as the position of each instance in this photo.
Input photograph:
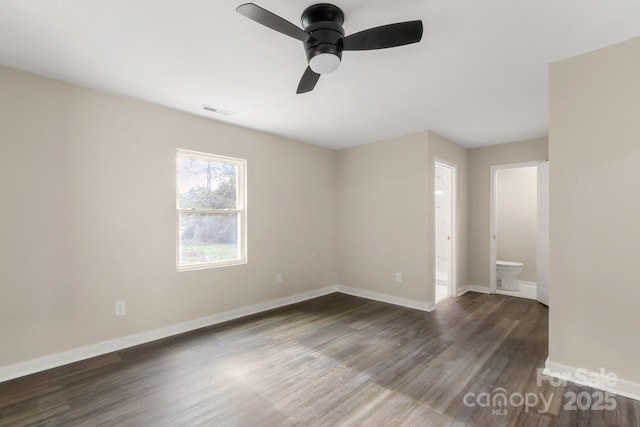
(519, 229)
(444, 226)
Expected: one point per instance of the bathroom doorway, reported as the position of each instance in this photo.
(444, 226)
(519, 230)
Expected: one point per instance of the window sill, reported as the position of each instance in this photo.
(210, 265)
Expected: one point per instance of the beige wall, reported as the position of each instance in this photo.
(594, 150)
(88, 217)
(385, 221)
(517, 218)
(480, 162)
(383, 207)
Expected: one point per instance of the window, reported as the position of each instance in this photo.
(211, 209)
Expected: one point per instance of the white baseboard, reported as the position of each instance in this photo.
(592, 379)
(461, 291)
(59, 359)
(418, 305)
(479, 289)
(47, 362)
(528, 290)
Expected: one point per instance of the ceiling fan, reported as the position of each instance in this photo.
(324, 40)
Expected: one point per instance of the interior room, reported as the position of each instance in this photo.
(204, 226)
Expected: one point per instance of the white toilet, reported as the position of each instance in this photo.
(507, 275)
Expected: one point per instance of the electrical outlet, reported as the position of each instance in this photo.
(121, 308)
(398, 277)
(279, 278)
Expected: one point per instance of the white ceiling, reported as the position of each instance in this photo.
(479, 76)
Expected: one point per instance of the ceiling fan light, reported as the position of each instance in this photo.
(324, 63)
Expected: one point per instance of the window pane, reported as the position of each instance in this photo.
(205, 184)
(208, 238)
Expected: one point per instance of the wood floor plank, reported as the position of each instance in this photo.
(336, 360)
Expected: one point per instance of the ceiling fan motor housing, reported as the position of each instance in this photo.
(323, 22)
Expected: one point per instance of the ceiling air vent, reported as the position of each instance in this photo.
(217, 110)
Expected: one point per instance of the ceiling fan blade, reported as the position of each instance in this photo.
(391, 35)
(271, 20)
(308, 81)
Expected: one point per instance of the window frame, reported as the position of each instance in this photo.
(240, 211)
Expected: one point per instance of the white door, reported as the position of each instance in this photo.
(444, 214)
(543, 234)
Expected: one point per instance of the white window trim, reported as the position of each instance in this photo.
(241, 211)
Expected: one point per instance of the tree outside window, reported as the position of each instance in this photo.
(211, 210)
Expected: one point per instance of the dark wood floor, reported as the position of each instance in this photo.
(332, 361)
